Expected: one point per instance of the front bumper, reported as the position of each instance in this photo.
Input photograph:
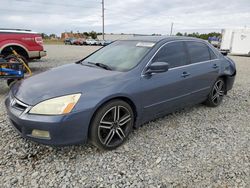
(64, 130)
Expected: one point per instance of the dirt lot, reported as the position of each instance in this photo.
(196, 147)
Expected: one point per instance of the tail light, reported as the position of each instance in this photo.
(39, 40)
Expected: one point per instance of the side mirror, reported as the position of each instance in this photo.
(157, 67)
(224, 53)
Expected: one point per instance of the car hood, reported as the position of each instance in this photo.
(63, 80)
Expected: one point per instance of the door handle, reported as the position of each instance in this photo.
(185, 74)
(215, 66)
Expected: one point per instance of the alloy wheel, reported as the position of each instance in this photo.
(218, 92)
(114, 126)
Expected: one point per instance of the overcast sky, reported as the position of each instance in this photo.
(125, 16)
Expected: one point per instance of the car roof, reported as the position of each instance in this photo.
(162, 38)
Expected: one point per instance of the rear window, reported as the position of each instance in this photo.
(198, 52)
(212, 54)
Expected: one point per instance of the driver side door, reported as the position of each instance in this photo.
(167, 91)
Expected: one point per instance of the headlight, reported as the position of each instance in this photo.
(56, 106)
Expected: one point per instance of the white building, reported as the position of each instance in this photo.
(113, 37)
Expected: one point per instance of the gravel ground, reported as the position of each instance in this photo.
(195, 147)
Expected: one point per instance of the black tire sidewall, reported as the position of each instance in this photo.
(209, 101)
(11, 82)
(20, 56)
(93, 133)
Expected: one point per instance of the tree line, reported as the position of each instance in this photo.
(201, 36)
(91, 34)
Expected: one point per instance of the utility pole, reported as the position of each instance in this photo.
(171, 31)
(102, 19)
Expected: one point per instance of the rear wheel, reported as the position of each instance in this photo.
(13, 58)
(217, 93)
(111, 125)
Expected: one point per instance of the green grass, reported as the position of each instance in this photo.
(58, 42)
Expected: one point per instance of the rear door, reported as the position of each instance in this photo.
(203, 70)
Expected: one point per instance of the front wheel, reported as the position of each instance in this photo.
(217, 93)
(111, 125)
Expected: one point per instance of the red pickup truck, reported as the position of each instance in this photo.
(26, 43)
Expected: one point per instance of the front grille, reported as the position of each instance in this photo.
(15, 103)
(19, 106)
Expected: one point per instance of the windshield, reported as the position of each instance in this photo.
(121, 55)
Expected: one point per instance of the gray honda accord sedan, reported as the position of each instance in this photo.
(102, 97)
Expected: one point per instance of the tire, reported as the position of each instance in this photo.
(217, 93)
(109, 129)
(13, 57)
(22, 57)
(11, 82)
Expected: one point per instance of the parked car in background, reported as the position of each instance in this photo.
(215, 41)
(26, 43)
(80, 41)
(103, 42)
(69, 41)
(98, 42)
(120, 86)
(91, 42)
(76, 42)
(107, 42)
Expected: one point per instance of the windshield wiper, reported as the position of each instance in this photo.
(101, 65)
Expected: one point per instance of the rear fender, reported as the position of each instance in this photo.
(7, 43)
(229, 73)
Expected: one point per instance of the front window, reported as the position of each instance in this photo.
(121, 55)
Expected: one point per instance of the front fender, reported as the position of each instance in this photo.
(94, 99)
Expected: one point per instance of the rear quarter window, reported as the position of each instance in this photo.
(212, 54)
(198, 52)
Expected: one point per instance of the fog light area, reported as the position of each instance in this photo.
(40, 134)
